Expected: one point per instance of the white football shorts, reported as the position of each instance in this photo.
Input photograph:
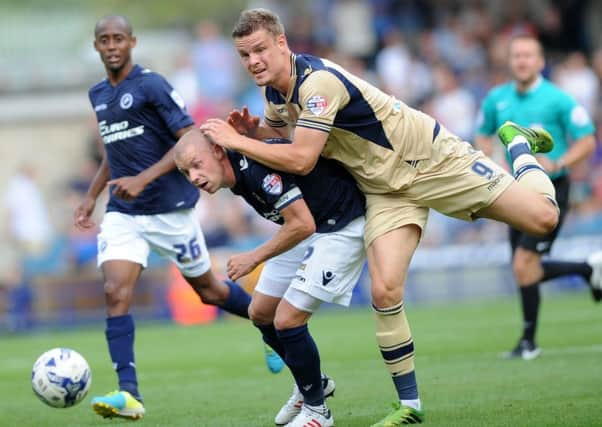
(174, 235)
(325, 267)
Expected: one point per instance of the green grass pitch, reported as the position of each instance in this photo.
(215, 375)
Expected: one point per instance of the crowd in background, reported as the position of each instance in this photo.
(433, 55)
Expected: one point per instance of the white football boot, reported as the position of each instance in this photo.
(313, 416)
(293, 405)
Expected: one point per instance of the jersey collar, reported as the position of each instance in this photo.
(532, 88)
(293, 78)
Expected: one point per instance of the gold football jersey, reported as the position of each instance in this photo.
(373, 134)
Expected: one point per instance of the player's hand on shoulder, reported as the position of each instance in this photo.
(127, 187)
(82, 214)
(243, 122)
(240, 265)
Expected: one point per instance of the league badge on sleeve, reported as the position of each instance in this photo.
(177, 98)
(272, 184)
(580, 116)
(317, 104)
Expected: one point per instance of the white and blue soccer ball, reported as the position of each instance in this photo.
(61, 377)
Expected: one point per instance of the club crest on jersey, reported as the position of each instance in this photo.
(317, 104)
(272, 184)
(126, 101)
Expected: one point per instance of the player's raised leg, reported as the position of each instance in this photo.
(530, 204)
(389, 256)
(120, 279)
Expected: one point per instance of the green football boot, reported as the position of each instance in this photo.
(540, 140)
(401, 415)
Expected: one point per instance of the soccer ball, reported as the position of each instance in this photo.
(61, 377)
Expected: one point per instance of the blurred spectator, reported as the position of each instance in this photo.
(216, 64)
(576, 77)
(452, 105)
(184, 80)
(351, 20)
(28, 218)
(393, 64)
(400, 73)
(16, 292)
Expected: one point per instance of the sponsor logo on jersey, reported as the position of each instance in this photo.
(273, 215)
(111, 132)
(542, 246)
(327, 277)
(493, 182)
(175, 96)
(272, 184)
(317, 104)
(100, 107)
(126, 101)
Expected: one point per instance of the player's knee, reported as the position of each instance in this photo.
(386, 294)
(208, 288)
(521, 273)
(116, 293)
(546, 220)
(525, 268)
(550, 219)
(260, 315)
(287, 322)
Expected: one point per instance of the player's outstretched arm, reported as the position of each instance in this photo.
(580, 150)
(298, 158)
(298, 225)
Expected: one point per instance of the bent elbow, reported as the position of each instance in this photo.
(304, 167)
(311, 228)
(306, 229)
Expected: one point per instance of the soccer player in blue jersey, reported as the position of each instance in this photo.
(316, 256)
(150, 207)
(531, 100)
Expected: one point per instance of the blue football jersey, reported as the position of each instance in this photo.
(330, 192)
(137, 120)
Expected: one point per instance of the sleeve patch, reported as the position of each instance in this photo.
(317, 104)
(272, 184)
(288, 197)
(579, 116)
(177, 99)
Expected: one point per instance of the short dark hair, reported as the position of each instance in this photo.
(527, 36)
(251, 20)
(125, 23)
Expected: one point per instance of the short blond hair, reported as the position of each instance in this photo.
(527, 37)
(252, 20)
